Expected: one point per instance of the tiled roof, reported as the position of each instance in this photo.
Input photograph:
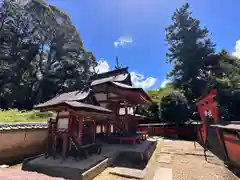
(75, 104)
(110, 73)
(118, 78)
(16, 126)
(88, 106)
(125, 85)
(132, 88)
(71, 96)
(156, 124)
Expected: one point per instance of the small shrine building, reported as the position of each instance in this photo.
(106, 108)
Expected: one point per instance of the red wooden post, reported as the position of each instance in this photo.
(80, 132)
(70, 121)
(94, 131)
(64, 137)
(109, 127)
(55, 144)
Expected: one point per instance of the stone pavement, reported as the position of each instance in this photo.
(187, 163)
(179, 160)
(172, 160)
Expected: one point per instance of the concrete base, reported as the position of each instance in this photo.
(89, 168)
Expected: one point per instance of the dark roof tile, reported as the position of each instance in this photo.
(110, 73)
(118, 78)
(88, 106)
(71, 96)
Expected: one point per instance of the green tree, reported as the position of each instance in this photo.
(190, 51)
(227, 71)
(153, 110)
(174, 108)
(157, 94)
(41, 54)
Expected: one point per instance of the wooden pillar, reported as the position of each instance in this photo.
(125, 118)
(126, 125)
(108, 128)
(94, 131)
(125, 106)
(64, 150)
(55, 138)
(80, 132)
(70, 121)
(134, 110)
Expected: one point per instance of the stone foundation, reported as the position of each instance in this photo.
(89, 168)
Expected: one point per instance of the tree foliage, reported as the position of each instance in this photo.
(226, 72)
(229, 101)
(157, 94)
(174, 108)
(41, 54)
(154, 110)
(190, 51)
(196, 65)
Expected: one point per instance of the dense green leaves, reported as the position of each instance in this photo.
(41, 54)
(197, 67)
(229, 102)
(174, 108)
(189, 50)
(153, 110)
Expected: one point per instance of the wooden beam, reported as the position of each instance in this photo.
(110, 100)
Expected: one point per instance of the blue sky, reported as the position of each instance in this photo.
(135, 31)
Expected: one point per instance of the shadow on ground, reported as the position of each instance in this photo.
(127, 162)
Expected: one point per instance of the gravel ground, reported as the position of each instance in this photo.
(15, 173)
(188, 163)
(105, 175)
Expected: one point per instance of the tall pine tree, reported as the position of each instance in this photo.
(189, 49)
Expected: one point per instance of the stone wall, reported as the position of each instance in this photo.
(19, 143)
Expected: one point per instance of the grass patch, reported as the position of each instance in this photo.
(14, 115)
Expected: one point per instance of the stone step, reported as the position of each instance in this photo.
(128, 172)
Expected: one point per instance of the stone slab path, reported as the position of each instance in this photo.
(179, 160)
(187, 163)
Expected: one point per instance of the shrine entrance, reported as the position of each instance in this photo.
(73, 132)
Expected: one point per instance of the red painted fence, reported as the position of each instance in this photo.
(166, 131)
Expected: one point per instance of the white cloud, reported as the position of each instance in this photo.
(237, 49)
(138, 80)
(123, 41)
(102, 66)
(165, 82)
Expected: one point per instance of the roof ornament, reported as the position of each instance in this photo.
(117, 64)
